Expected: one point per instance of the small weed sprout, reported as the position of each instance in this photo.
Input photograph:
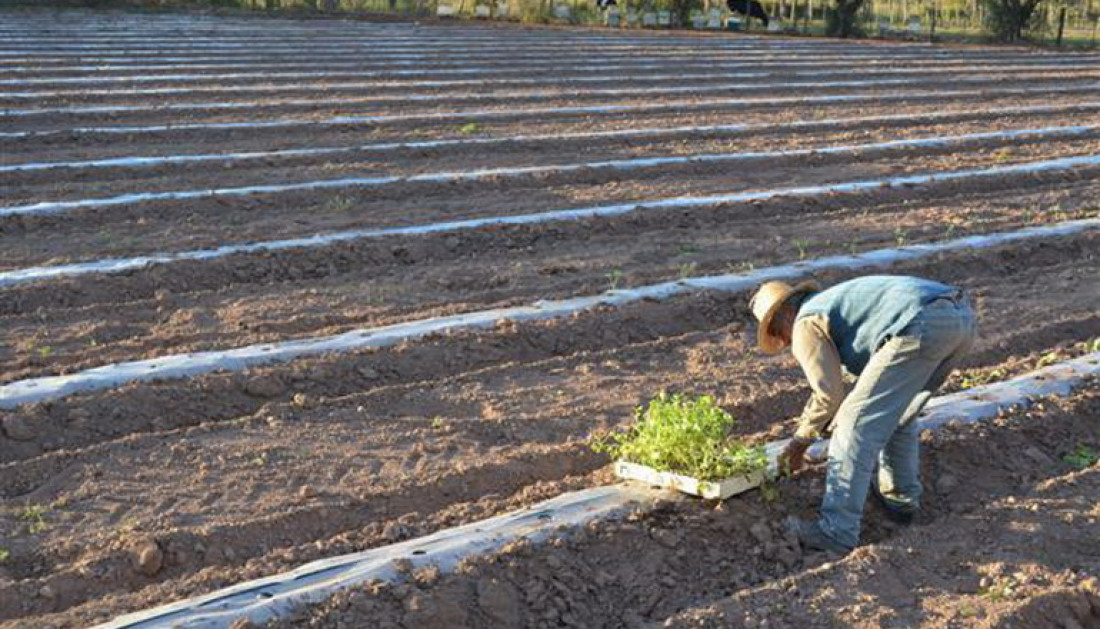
(1082, 457)
(901, 236)
(1048, 358)
(614, 278)
(684, 435)
(976, 379)
(36, 516)
(339, 203)
(801, 244)
(1002, 155)
(438, 423)
(1094, 345)
(45, 351)
(688, 269)
(5, 555)
(469, 128)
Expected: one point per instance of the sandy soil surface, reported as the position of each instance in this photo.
(115, 500)
(996, 546)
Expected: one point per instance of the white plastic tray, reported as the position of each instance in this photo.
(720, 489)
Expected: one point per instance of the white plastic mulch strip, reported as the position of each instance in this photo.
(529, 94)
(261, 68)
(184, 365)
(459, 44)
(515, 113)
(281, 594)
(648, 132)
(985, 401)
(483, 82)
(56, 207)
(117, 265)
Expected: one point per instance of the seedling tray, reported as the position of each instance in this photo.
(720, 489)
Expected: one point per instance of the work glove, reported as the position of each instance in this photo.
(793, 457)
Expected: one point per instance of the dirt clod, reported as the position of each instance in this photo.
(264, 387)
(17, 428)
(147, 558)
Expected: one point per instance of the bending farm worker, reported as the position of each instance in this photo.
(900, 336)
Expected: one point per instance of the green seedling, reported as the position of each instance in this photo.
(1048, 359)
(683, 435)
(613, 279)
(36, 516)
(972, 380)
(1002, 155)
(770, 491)
(5, 555)
(901, 236)
(339, 203)
(688, 269)
(801, 244)
(469, 128)
(1094, 345)
(128, 525)
(688, 248)
(1082, 457)
(438, 423)
(45, 351)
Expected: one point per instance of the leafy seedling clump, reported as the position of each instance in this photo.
(683, 435)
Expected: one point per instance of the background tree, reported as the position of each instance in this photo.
(842, 20)
(1007, 20)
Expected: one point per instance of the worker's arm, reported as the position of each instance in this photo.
(817, 354)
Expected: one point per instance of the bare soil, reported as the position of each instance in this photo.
(116, 500)
(996, 546)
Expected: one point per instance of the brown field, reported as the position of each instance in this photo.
(237, 474)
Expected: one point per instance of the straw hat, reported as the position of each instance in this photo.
(767, 302)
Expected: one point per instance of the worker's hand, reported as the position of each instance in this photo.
(793, 457)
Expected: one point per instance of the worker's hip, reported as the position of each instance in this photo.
(943, 326)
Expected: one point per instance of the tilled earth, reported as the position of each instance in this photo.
(997, 544)
(126, 497)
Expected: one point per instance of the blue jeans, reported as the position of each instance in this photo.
(875, 423)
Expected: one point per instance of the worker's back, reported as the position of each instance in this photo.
(865, 312)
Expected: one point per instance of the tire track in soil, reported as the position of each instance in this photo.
(648, 568)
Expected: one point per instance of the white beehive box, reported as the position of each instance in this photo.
(481, 10)
(705, 489)
(561, 11)
(445, 10)
(664, 18)
(649, 19)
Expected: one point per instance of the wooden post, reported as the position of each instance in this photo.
(932, 25)
(1061, 24)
